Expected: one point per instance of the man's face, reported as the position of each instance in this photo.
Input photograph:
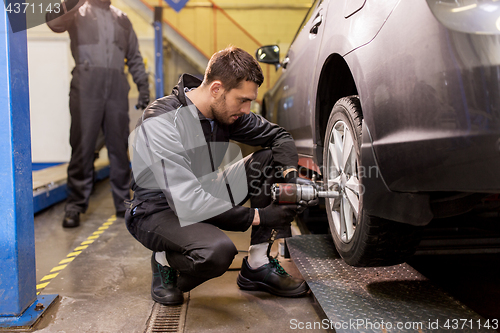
(231, 105)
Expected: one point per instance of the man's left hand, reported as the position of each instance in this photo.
(292, 177)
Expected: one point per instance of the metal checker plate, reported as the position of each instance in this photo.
(361, 299)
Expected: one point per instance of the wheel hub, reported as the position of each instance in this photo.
(343, 181)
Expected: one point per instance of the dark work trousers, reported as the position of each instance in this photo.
(201, 251)
(91, 112)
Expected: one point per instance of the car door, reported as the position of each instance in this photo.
(296, 87)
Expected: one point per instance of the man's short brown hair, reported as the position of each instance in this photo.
(231, 66)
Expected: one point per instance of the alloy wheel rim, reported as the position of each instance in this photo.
(342, 176)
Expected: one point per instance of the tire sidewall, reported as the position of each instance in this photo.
(343, 111)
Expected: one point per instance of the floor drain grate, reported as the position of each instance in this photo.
(167, 319)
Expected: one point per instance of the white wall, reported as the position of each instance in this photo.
(50, 64)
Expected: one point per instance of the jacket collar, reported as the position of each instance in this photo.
(188, 81)
(185, 81)
(157, 108)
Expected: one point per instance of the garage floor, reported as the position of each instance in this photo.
(105, 286)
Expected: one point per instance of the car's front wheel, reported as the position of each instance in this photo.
(360, 239)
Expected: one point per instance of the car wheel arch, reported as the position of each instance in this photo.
(335, 81)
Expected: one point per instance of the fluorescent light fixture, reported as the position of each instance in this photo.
(490, 8)
(464, 8)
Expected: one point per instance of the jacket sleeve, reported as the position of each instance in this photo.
(135, 63)
(62, 20)
(255, 130)
(159, 145)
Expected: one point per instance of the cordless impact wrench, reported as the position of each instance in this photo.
(287, 193)
(304, 195)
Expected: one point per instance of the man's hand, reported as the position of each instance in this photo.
(292, 176)
(277, 216)
(143, 101)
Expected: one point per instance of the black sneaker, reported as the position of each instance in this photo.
(71, 219)
(164, 285)
(272, 278)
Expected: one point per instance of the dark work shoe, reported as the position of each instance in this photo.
(164, 285)
(272, 278)
(120, 214)
(71, 219)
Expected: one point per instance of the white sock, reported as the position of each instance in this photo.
(257, 255)
(161, 258)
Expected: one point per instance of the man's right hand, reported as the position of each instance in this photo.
(277, 216)
(143, 101)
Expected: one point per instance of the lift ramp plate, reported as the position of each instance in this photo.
(376, 299)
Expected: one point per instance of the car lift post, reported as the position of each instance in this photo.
(20, 307)
(158, 26)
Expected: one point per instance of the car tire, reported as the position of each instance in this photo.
(360, 239)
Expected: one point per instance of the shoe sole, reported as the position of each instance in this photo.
(159, 300)
(72, 225)
(247, 284)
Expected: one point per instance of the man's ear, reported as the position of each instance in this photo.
(216, 88)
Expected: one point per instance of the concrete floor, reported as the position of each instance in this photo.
(106, 288)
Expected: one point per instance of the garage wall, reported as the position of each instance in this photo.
(49, 64)
(214, 24)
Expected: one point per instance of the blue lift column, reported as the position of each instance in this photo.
(20, 307)
(158, 25)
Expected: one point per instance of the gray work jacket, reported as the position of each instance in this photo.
(177, 157)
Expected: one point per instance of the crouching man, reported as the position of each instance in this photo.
(190, 182)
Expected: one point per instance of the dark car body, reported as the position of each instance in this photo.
(427, 76)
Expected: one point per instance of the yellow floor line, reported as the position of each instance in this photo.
(66, 261)
(74, 254)
(49, 277)
(58, 268)
(71, 256)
